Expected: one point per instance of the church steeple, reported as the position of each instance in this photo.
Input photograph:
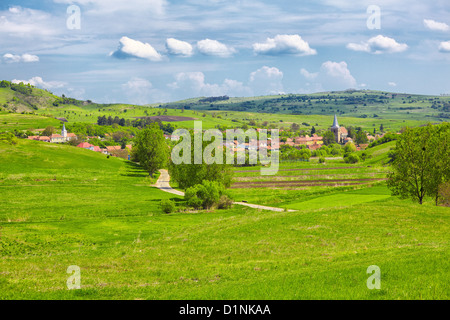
(335, 122)
(64, 131)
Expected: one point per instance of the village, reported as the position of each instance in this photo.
(312, 143)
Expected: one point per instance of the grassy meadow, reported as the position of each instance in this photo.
(63, 206)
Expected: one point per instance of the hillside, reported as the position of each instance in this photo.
(361, 104)
(366, 109)
(63, 206)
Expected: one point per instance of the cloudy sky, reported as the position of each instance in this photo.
(149, 51)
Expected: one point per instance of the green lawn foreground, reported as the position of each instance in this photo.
(63, 206)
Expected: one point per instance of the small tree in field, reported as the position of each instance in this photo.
(48, 131)
(421, 163)
(150, 148)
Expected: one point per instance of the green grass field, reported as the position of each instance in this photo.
(63, 206)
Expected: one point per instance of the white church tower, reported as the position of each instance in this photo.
(64, 132)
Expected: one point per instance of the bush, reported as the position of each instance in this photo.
(224, 202)
(167, 206)
(9, 138)
(351, 158)
(321, 160)
(206, 195)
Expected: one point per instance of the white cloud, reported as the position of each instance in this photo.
(26, 23)
(11, 58)
(392, 84)
(308, 75)
(338, 72)
(379, 44)
(192, 84)
(138, 90)
(331, 76)
(178, 47)
(436, 26)
(284, 44)
(267, 80)
(444, 46)
(40, 83)
(214, 48)
(133, 48)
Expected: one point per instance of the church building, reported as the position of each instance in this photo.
(340, 133)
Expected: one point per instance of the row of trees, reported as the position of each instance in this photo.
(421, 165)
(136, 123)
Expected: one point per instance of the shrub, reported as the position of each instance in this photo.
(206, 195)
(167, 206)
(224, 202)
(351, 158)
(321, 160)
(9, 138)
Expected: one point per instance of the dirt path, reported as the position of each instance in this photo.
(163, 184)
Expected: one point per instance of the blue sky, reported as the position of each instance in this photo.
(150, 51)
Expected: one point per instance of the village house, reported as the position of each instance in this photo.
(56, 138)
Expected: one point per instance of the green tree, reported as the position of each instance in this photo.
(361, 137)
(49, 130)
(150, 148)
(440, 159)
(349, 147)
(421, 163)
(190, 174)
(328, 138)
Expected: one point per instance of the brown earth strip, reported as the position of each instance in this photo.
(306, 169)
(335, 184)
(308, 181)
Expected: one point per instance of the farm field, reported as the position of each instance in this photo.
(63, 206)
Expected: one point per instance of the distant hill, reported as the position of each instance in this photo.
(352, 103)
(27, 98)
(373, 105)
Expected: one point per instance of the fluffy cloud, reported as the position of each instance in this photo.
(444, 46)
(191, 84)
(392, 84)
(133, 48)
(331, 76)
(379, 44)
(308, 75)
(40, 83)
(267, 80)
(11, 58)
(436, 26)
(178, 47)
(17, 22)
(284, 44)
(215, 48)
(138, 90)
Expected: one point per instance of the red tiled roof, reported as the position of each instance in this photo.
(84, 145)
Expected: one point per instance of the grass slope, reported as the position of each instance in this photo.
(63, 206)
